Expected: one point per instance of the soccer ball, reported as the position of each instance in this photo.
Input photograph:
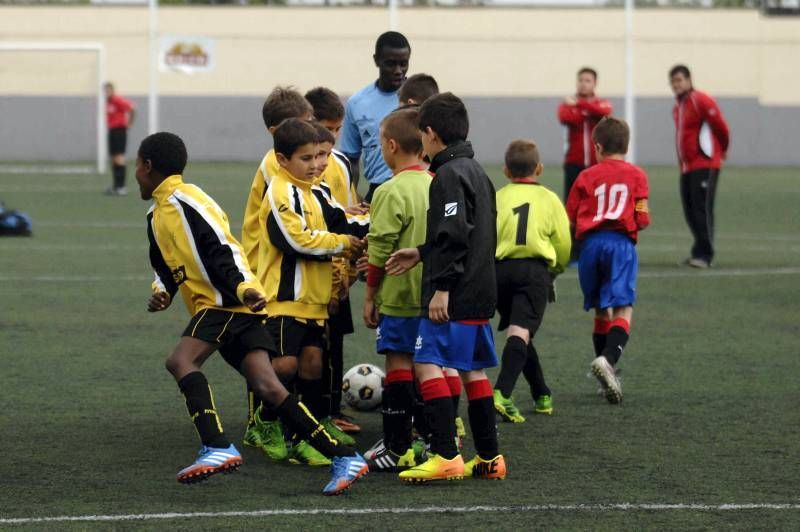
(362, 386)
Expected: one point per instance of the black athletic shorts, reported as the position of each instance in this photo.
(341, 323)
(236, 333)
(292, 335)
(117, 140)
(522, 286)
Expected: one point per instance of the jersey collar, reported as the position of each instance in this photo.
(167, 187)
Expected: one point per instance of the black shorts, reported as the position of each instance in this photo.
(341, 323)
(522, 286)
(236, 333)
(117, 140)
(292, 335)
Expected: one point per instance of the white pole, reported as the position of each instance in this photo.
(101, 110)
(152, 93)
(630, 104)
(393, 15)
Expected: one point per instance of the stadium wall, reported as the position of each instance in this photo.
(511, 65)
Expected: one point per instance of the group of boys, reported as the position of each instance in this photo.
(277, 305)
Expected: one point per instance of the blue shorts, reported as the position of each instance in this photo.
(607, 270)
(455, 345)
(396, 334)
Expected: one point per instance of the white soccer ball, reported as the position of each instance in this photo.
(362, 386)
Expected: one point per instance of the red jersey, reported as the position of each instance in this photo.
(580, 120)
(118, 111)
(609, 197)
(701, 133)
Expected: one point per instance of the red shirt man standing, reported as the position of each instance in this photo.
(120, 113)
(580, 113)
(701, 140)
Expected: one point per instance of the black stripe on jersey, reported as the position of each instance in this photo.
(286, 282)
(343, 158)
(157, 260)
(279, 240)
(217, 258)
(336, 218)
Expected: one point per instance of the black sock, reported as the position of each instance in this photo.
(441, 419)
(298, 419)
(336, 365)
(599, 341)
(483, 427)
(310, 393)
(534, 375)
(418, 416)
(514, 356)
(398, 400)
(200, 404)
(118, 172)
(615, 344)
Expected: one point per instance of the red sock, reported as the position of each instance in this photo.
(479, 389)
(622, 323)
(398, 375)
(601, 326)
(434, 389)
(454, 383)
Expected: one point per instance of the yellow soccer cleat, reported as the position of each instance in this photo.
(494, 469)
(435, 468)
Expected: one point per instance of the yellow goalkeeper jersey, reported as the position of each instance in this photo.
(531, 224)
(192, 250)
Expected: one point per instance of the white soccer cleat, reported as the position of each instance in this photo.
(604, 372)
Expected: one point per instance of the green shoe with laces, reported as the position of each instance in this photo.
(337, 433)
(544, 405)
(304, 453)
(506, 408)
(267, 436)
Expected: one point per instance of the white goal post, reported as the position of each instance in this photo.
(100, 52)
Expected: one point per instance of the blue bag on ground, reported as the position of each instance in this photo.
(14, 223)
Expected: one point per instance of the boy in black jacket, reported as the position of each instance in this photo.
(459, 291)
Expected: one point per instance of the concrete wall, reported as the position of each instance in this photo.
(511, 65)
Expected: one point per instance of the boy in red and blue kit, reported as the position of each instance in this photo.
(459, 295)
(607, 207)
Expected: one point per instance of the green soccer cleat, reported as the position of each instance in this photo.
(544, 405)
(337, 433)
(267, 436)
(506, 409)
(420, 450)
(461, 432)
(304, 453)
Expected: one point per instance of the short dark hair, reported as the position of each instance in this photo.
(165, 151)
(419, 88)
(323, 133)
(326, 104)
(283, 103)
(522, 158)
(587, 70)
(680, 69)
(401, 126)
(391, 39)
(291, 134)
(446, 115)
(612, 134)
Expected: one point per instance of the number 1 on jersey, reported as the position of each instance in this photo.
(522, 224)
(618, 195)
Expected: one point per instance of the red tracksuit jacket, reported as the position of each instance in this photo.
(580, 120)
(701, 133)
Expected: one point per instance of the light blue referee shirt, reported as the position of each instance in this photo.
(361, 129)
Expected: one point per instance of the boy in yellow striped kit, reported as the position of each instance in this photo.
(192, 250)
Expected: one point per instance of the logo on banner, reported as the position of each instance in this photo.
(186, 54)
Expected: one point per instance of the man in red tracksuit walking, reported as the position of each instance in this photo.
(701, 140)
(580, 113)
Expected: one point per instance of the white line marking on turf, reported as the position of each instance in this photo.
(623, 507)
(678, 274)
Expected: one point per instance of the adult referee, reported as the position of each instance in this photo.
(120, 113)
(366, 108)
(701, 140)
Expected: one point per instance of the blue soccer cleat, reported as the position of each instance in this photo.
(210, 461)
(344, 471)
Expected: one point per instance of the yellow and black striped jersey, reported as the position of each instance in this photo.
(192, 250)
(296, 245)
(250, 226)
(338, 175)
(532, 223)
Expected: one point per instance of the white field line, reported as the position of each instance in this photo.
(677, 274)
(624, 507)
